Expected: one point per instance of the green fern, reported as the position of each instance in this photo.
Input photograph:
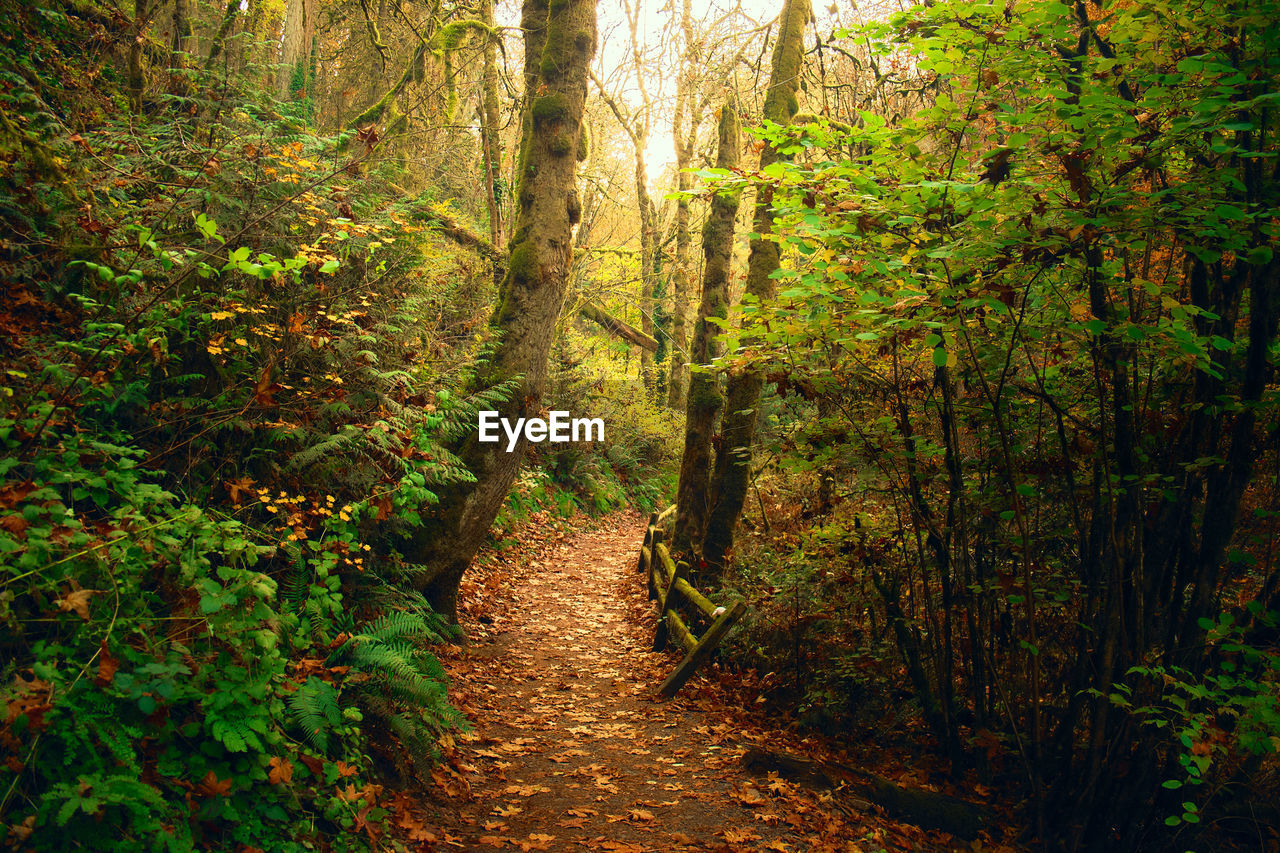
(315, 709)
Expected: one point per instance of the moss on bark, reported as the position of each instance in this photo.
(704, 399)
(732, 473)
(532, 297)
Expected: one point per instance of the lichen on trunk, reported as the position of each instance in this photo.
(732, 473)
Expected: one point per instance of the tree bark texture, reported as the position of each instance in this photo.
(295, 45)
(685, 138)
(732, 473)
(533, 290)
(489, 125)
(704, 400)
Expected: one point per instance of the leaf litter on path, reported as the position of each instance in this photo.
(571, 748)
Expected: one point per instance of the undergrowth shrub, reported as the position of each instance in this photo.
(219, 397)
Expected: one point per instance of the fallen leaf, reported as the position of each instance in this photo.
(738, 836)
(281, 772)
(537, 841)
(315, 765)
(77, 601)
(107, 666)
(212, 786)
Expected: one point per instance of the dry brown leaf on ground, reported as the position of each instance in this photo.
(77, 601)
(738, 836)
(537, 841)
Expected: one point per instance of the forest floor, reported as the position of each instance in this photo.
(570, 748)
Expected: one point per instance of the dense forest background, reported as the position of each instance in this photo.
(951, 329)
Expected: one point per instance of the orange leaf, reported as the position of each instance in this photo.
(281, 772)
(107, 666)
(212, 786)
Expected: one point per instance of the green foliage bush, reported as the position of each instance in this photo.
(222, 399)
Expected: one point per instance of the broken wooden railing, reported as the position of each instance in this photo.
(667, 586)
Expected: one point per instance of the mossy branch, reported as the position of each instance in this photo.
(446, 40)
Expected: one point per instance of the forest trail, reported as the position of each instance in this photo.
(570, 749)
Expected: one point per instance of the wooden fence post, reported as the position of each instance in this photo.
(661, 634)
(702, 650)
(667, 578)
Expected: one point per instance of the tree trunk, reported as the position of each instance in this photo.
(180, 47)
(532, 293)
(295, 48)
(733, 463)
(224, 29)
(489, 125)
(693, 493)
(648, 241)
(136, 79)
(621, 328)
(250, 46)
(685, 139)
(680, 298)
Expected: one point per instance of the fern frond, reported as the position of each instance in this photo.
(314, 706)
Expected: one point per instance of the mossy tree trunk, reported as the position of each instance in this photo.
(224, 29)
(136, 80)
(732, 473)
(489, 125)
(180, 45)
(685, 121)
(693, 493)
(648, 259)
(533, 291)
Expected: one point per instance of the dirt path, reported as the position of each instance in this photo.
(571, 751)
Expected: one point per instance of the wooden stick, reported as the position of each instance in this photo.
(682, 568)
